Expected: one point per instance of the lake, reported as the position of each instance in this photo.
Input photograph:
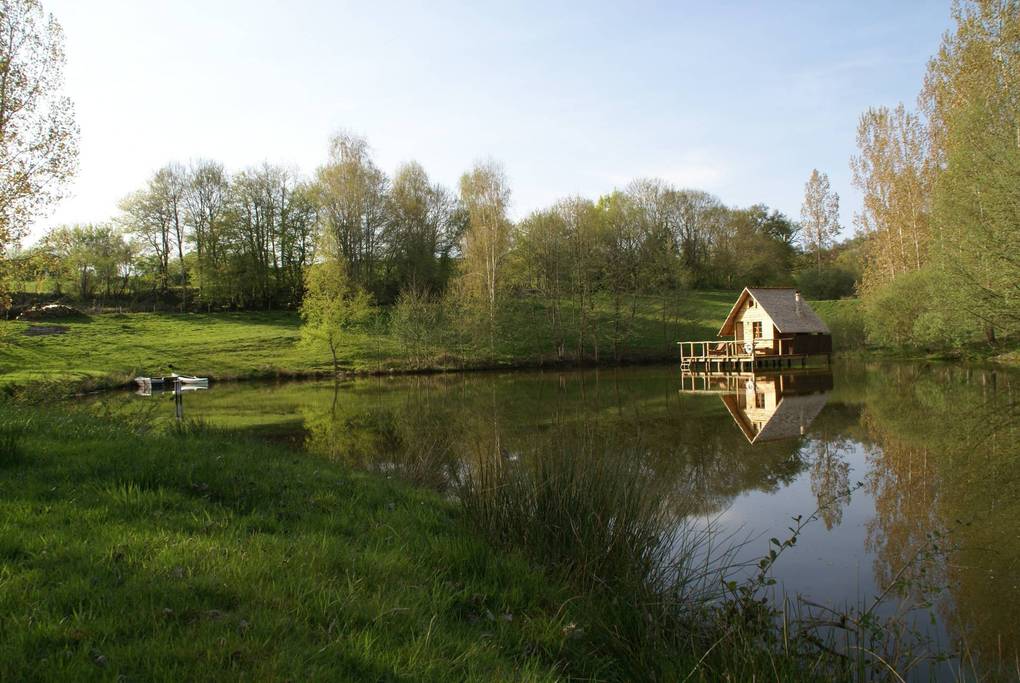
(914, 469)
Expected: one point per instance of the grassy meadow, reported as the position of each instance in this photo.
(108, 349)
(130, 555)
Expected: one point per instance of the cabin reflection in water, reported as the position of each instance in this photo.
(766, 407)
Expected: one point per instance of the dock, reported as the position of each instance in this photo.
(722, 356)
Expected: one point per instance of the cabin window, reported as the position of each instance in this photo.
(759, 401)
(756, 330)
(750, 303)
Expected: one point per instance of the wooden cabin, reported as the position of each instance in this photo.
(767, 327)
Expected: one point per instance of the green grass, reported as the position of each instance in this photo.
(196, 555)
(110, 349)
(201, 554)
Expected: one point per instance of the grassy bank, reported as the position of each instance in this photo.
(109, 349)
(145, 556)
(195, 554)
(200, 554)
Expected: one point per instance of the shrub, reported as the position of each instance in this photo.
(829, 282)
(911, 311)
(845, 319)
(417, 321)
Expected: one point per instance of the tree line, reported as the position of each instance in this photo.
(202, 238)
(941, 186)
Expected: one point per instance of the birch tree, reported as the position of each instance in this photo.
(485, 194)
(893, 171)
(819, 215)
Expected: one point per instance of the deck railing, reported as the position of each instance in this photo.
(728, 349)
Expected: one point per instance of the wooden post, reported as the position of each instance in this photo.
(178, 399)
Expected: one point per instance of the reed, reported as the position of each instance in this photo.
(666, 595)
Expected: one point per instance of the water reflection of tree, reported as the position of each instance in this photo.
(410, 437)
(830, 476)
(442, 423)
(947, 460)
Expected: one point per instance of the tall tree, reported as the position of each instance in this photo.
(485, 195)
(753, 246)
(542, 264)
(621, 238)
(38, 135)
(819, 215)
(661, 268)
(169, 187)
(256, 209)
(693, 218)
(422, 232)
(972, 99)
(144, 214)
(352, 195)
(893, 171)
(584, 260)
(206, 201)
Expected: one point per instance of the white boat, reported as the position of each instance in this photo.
(168, 382)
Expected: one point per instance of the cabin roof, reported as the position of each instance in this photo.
(780, 303)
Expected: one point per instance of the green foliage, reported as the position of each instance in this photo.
(977, 211)
(418, 323)
(333, 309)
(38, 134)
(911, 311)
(827, 282)
(845, 319)
(941, 192)
(88, 259)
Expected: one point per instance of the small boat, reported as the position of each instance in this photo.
(168, 382)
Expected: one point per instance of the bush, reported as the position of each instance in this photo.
(909, 311)
(845, 319)
(417, 321)
(829, 282)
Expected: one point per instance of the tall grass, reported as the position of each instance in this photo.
(193, 554)
(10, 443)
(598, 518)
(671, 600)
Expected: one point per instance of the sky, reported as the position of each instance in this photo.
(742, 99)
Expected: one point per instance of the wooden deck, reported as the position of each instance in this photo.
(740, 356)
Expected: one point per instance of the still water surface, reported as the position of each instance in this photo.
(931, 454)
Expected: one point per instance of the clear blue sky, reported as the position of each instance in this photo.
(741, 99)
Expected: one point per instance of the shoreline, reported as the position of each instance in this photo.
(111, 382)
